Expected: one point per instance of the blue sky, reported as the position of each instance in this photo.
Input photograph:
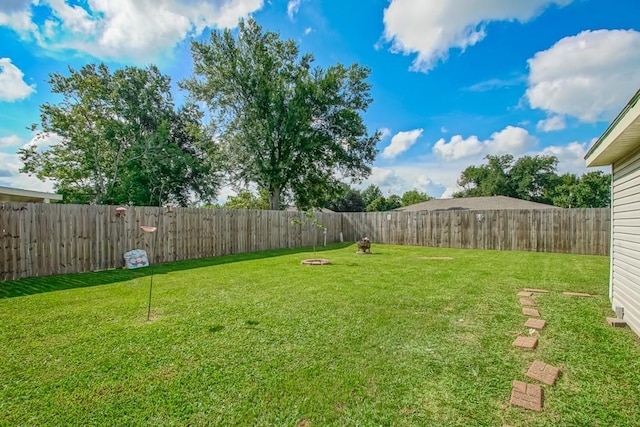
(453, 80)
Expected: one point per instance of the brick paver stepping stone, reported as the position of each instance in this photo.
(527, 301)
(525, 294)
(528, 343)
(537, 291)
(535, 323)
(543, 372)
(615, 322)
(528, 311)
(576, 294)
(528, 396)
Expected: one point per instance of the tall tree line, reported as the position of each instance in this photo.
(535, 178)
(278, 122)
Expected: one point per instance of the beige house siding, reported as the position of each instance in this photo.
(625, 256)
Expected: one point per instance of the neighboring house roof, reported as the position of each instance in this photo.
(475, 203)
(9, 194)
(621, 137)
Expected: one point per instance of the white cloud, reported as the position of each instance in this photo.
(492, 84)
(551, 124)
(16, 14)
(401, 142)
(432, 28)
(590, 76)
(438, 177)
(307, 31)
(11, 177)
(138, 30)
(10, 163)
(570, 157)
(511, 140)
(44, 141)
(224, 194)
(12, 85)
(10, 141)
(384, 133)
(292, 8)
(458, 147)
(402, 179)
(8, 6)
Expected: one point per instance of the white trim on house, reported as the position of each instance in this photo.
(9, 194)
(619, 146)
(620, 138)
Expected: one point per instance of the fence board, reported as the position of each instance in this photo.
(45, 239)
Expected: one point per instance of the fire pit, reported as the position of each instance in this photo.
(315, 262)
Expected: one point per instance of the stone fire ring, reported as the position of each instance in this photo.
(315, 262)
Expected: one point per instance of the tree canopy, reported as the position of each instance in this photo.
(525, 178)
(246, 199)
(536, 179)
(122, 140)
(371, 193)
(414, 196)
(347, 200)
(283, 125)
(591, 190)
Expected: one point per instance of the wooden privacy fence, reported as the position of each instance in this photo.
(46, 239)
(576, 231)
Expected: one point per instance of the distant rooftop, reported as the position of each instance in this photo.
(9, 194)
(475, 203)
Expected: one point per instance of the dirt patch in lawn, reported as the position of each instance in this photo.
(315, 262)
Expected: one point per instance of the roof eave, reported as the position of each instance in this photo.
(607, 148)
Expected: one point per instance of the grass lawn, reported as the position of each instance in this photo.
(400, 337)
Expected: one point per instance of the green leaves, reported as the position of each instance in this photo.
(287, 127)
(414, 196)
(535, 178)
(122, 140)
(591, 190)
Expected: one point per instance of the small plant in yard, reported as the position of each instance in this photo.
(311, 220)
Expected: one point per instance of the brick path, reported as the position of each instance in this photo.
(525, 395)
(528, 343)
(535, 323)
(543, 372)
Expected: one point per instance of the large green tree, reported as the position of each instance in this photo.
(371, 193)
(413, 197)
(490, 179)
(122, 140)
(381, 203)
(246, 199)
(348, 200)
(591, 190)
(528, 178)
(284, 125)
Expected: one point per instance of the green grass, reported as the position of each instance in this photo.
(393, 338)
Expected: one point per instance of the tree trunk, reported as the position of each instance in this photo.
(274, 199)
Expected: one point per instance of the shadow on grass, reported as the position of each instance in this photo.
(38, 285)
